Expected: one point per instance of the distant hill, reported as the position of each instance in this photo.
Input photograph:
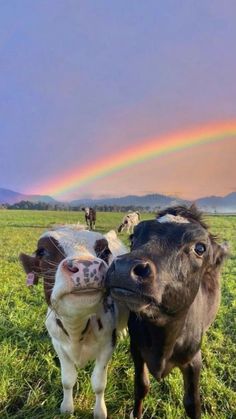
(218, 203)
(151, 201)
(12, 197)
(225, 204)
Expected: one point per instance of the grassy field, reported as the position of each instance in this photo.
(29, 375)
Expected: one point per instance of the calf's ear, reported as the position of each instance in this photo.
(30, 266)
(220, 253)
(111, 235)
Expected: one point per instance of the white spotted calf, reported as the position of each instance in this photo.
(82, 320)
(129, 222)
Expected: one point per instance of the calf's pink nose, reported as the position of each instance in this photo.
(85, 271)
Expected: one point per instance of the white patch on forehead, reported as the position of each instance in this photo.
(170, 218)
(74, 241)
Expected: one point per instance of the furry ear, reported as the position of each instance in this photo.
(111, 235)
(220, 253)
(30, 266)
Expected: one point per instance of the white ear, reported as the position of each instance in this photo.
(111, 235)
(115, 245)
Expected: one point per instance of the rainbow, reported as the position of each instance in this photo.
(148, 149)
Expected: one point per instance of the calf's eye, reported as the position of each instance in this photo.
(199, 248)
(41, 252)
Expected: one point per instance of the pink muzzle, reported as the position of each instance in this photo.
(86, 273)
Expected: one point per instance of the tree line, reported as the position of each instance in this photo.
(45, 206)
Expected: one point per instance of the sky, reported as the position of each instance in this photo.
(84, 80)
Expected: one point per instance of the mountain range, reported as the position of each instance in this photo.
(12, 197)
(226, 204)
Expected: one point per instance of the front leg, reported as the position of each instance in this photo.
(68, 379)
(141, 382)
(99, 382)
(191, 374)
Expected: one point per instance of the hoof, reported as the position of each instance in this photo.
(132, 415)
(66, 409)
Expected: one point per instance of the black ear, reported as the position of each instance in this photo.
(102, 250)
(30, 265)
(120, 228)
(220, 253)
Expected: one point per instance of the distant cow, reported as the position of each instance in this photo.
(82, 320)
(129, 222)
(90, 217)
(170, 281)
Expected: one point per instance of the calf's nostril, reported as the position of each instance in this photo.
(141, 270)
(71, 267)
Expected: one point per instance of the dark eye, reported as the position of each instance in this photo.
(41, 252)
(199, 248)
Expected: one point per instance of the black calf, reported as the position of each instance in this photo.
(170, 282)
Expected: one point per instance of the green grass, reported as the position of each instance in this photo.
(29, 374)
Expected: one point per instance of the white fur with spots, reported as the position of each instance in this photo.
(81, 321)
(129, 222)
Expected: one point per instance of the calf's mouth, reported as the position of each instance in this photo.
(126, 294)
(81, 291)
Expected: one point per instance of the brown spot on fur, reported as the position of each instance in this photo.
(102, 250)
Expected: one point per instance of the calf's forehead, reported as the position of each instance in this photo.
(72, 242)
(171, 233)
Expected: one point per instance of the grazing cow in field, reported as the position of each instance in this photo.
(129, 222)
(170, 281)
(90, 217)
(82, 320)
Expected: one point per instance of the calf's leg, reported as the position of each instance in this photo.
(68, 379)
(99, 381)
(191, 375)
(141, 383)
